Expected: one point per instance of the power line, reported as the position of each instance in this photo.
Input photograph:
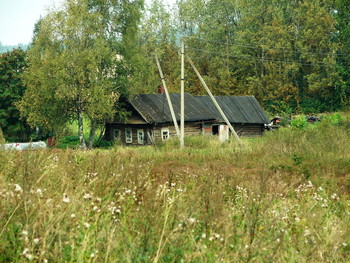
(262, 59)
(286, 50)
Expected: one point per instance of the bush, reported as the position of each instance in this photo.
(103, 143)
(299, 122)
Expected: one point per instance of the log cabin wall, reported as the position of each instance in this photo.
(159, 133)
(249, 130)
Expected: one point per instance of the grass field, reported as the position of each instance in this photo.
(283, 197)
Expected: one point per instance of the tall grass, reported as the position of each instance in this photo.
(283, 197)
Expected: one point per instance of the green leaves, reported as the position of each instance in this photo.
(12, 65)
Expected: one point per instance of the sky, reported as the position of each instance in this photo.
(18, 17)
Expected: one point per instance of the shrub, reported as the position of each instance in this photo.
(299, 122)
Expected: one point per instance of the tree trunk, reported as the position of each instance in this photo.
(92, 134)
(81, 131)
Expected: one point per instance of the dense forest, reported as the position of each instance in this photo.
(293, 56)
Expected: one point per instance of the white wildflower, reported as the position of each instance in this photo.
(73, 216)
(18, 188)
(192, 220)
(36, 240)
(39, 192)
(87, 196)
(87, 225)
(25, 233)
(65, 198)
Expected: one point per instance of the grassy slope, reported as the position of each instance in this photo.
(281, 198)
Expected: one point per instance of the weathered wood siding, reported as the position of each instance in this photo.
(191, 129)
(249, 130)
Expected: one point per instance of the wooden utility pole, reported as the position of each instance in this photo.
(214, 101)
(182, 122)
(168, 99)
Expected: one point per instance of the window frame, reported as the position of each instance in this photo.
(127, 139)
(116, 131)
(165, 130)
(138, 137)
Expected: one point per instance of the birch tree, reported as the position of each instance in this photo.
(70, 74)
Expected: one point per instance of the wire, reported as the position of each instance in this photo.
(286, 50)
(262, 59)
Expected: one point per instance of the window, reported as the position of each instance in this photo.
(140, 136)
(115, 134)
(128, 135)
(165, 134)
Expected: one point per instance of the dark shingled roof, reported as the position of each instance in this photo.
(154, 108)
(238, 109)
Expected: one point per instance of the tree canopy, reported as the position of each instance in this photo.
(12, 88)
(74, 69)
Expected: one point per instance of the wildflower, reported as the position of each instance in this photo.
(18, 188)
(92, 255)
(192, 220)
(87, 225)
(39, 191)
(297, 219)
(25, 233)
(73, 216)
(65, 198)
(87, 196)
(27, 255)
(344, 244)
(204, 236)
(306, 232)
(334, 197)
(36, 240)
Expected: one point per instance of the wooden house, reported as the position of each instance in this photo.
(243, 112)
(150, 119)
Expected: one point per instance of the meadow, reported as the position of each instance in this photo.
(283, 197)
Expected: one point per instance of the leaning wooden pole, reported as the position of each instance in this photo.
(182, 122)
(214, 101)
(168, 98)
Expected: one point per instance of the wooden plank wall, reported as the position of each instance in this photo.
(191, 129)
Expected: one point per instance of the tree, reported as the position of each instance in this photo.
(71, 71)
(12, 65)
(342, 37)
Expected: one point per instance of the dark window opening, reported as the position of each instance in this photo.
(215, 129)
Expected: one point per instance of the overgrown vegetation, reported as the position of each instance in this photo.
(283, 197)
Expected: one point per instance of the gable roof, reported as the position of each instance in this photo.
(154, 108)
(238, 109)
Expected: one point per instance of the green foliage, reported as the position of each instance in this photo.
(334, 119)
(299, 122)
(12, 65)
(103, 144)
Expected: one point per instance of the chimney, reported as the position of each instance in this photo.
(160, 89)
